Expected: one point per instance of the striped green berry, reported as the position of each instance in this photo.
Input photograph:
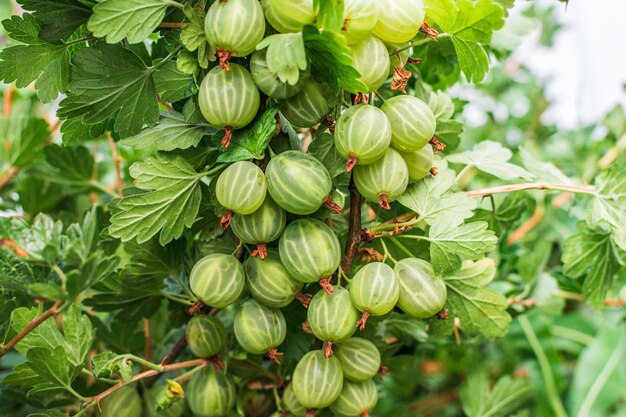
(217, 280)
(291, 404)
(331, 317)
(419, 162)
(309, 250)
(371, 58)
(266, 224)
(206, 336)
(359, 358)
(211, 394)
(269, 281)
(235, 26)
(383, 181)
(374, 290)
(289, 15)
(422, 294)
(317, 380)
(269, 82)
(241, 187)
(125, 402)
(362, 135)
(359, 17)
(229, 99)
(399, 20)
(258, 328)
(298, 182)
(309, 106)
(413, 123)
(356, 399)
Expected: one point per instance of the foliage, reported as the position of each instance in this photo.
(104, 217)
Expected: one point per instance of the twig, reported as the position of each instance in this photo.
(119, 181)
(173, 354)
(613, 153)
(164, 368)
(435, 403)
(172, 25)
(521, 232)
(8, 177)
(354, 228)
(585, 189)
(8, 102)
(147, 331)
(31, 326)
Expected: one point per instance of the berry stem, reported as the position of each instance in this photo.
(362, 321)
(384, 203)
(310, 412)
(328, 348)
(305, 299)
(228, 135)
(352, 161)
(224, 57)
(273, 354)
(226, 219)
(331, 205)
(326, 285)
(260, 251)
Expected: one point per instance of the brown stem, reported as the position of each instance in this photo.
(172, 25)
(147, 331)
(352, 161)
(147, 374)
(164, 103)
(226, 219)
(260, 251)
(31, 326)
(194, 309)
(228, 135)
(521, 232)
(326, 285)
(224, 57)
(384, 202)
(310, 412)
(8, 176)
(173, 354)
(115, 156)
(305, 299)
(273, 354)
(437, 146)
(430, 32)
(354, 228)
(331, 205)
(363, 320)
(435, 403)
(328, 348)
(360, 98)
(531, 186)
(8, 102)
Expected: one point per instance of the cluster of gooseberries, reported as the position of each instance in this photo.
(385, 149)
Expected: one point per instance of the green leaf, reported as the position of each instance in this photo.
(47, 63)
(451, 244)
(74, 131)
(329, 14)
(608, 207)
(440, 64)
(172, 84)
(480, 309)
(406, 328)
(42, 240)
(250, 143)
(22, 140)
(193, 36)
(600, 374)
(285, 56)
(591, 253)
(432, 199)
(542, 171)
(492, 158)
(110, 81)
(441, 104)
(172, 132)
(169, 207)
(58, 19)
(18, 276)
(68, 166)
(134, 20)
(95, 269)
(470, 25)
(507, 394)
(52, 366)
(331, 60)
(78, 334)
(106, 364)
(323, 148)
(48, 413)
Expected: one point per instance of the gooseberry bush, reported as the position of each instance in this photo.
(271, 208)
